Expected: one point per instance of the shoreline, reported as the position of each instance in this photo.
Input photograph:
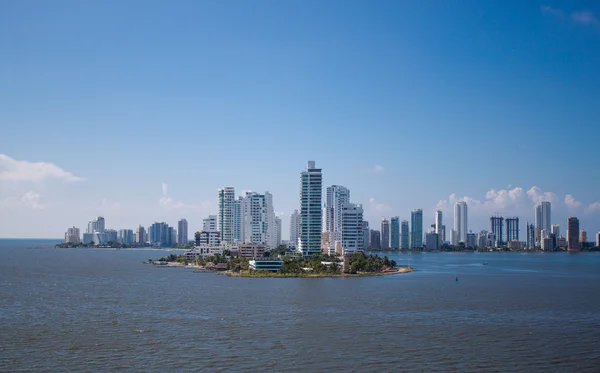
(263, 274)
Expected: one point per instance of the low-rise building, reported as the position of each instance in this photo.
(251, 250)
(208, 238)
(515, 245)
(203, 252)
(547, 244)
(266, 264)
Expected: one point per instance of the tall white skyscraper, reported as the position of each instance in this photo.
(182, 232)
(311, 217)
(460, 221)
(209, 224)
(352, 229)
(258, 219)
(140, 235)
(72, 235)
(225, 215)
(416, 229)
(404, 235)
(96, 226)
(337, 197)
(543, 216)
(294, 229)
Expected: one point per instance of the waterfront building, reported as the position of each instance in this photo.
(336, 197)
(266, 264)
(160, 234)
(226, 202)
(548, 244)
(556, 230)
(375, 240)
(251, 250)
(432, 241)
(294, 229)
(207, 238)
(582, 237)
(404, 235)
(209, 224)
(482, 237)
(454, 237)
(385, 234)
(366, 235)
(561, 242)
(88, 238)
(490, 240)
(531, 236)
(182, 232)
(598, 239)
(395, 233)
(572, 234)
(140, 235)
(512, 229)
(72, 235)
(352, 229)
(277, 231)
(439, 227)
(258, 219)
(311, 217)
(97, 225)
(204, 252)
(543, 217)
(238, 224)
(461, 221)
(471, 240)
(326, 242)
(126, 236)
(497, 226)
(515, 245)
(416, 229)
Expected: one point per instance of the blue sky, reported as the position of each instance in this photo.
(408, 104)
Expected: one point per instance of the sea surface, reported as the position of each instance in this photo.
(74, 310)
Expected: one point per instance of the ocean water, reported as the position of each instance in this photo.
(70, 310)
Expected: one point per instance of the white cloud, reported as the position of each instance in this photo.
(537, 196)
(108, 206)
(165, 189)
(169, 203)
(376, 208)
(571, 202)
(13, 170)
(376, 169)
(30, 200)
(586, 18)
(593, 208)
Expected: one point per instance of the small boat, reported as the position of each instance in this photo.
(486, 263)
(456, 278)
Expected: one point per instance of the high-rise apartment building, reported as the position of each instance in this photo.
(366, 235)
(416, 229)
(72, 235)
(238, 229)
(454, 237)
(385, 234)
(258, 221)
(582, 238)
(209, 224)
(96, 226)
(496, 226)
(277, 231)
(395, 233)
(337, 196)
(512, 229)
(460, 220)
(126, 236)
(140, 235)
(531, 236)
(543, 216)
(598, 239)
(182, 232)
(556, 230)
(404, 235)
(352, 228)
(375, 240)
(311, 217)
(294, 229)
(432, 241)
(160, 234)
(225, 216)
(573, 234)
(439, 227)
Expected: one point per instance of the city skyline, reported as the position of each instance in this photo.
(106, 114)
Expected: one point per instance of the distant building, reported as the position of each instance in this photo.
(375, 240)
(491, 240)
(561, 242)
(140, 235)
(160, 234)
(126, 236)
(278, 231)
(252, 250)
(352, 228)
(395, 233)
(226, 201)
(598, 239)
(512, 229)
(97, 225)
(266, 264)
(337, 197)
(482, 239)
(404, 235)
(496, 226)
(209, 224)
(208, 238)
(385, 234)
(72, 235)
(416, 229)
(366, 235)
(311, 218)
(182, 232)
(573, 234)
(543, 217)
(326, 242)
(531, 236)
(111, 236)
(515, 245)
(432, 241)
(582, 237)
(294, 229)
(454, 237)
(461, 220)
(548, 244)
(556, 230)
(471, 240)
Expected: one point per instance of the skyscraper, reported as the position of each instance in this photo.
(385, 234)
(311, 217)
(294, 229)
(277, 231)
(556, 230)
(395, 233)
(126, 236)
(225, 215)
(598, 239)
(337, 197)
(140, 235)
(375, 240)
(366, 235)
(404, 236)
(416, 229)
(573, 234)
(96, 226)
(542, 218)
(582, 237)
(258, 219)
(531, 236)
(352, 228)
(209, 224)
(72, 235)
(512, 229)
(238, 229)
(460, 220)
(182, 232)
(496, 226)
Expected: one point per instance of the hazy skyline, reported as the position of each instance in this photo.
(141, 111)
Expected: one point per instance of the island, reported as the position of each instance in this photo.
(321, 265)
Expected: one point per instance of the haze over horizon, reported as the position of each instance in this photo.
(140, 111)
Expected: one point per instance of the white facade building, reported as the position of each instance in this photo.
(277, 231)
(461, 221)
(97, 225)
(140, 235)
(543, 215)
(454, 237)
(208, 238)
(126, 236)
(72, 235)
(294, 229)
(352, 229)
(209, 224)
(257, 222)
(225, 216)
(311, 216)
(337, 197)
